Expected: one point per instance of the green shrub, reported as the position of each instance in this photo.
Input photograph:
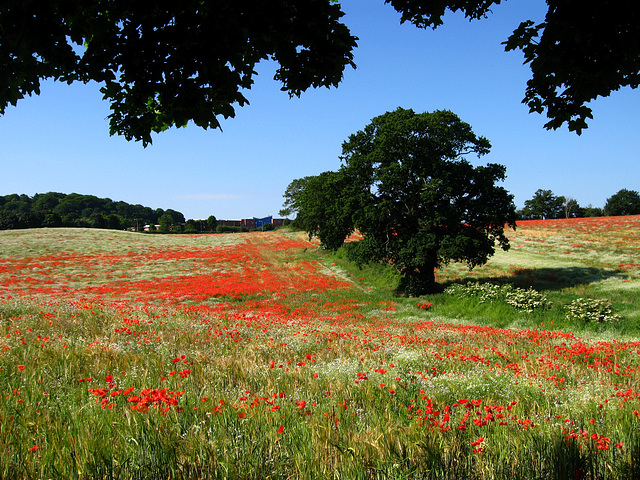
(230, 229)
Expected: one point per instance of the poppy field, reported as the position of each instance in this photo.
(257, 355)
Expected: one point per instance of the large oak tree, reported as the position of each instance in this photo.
(407, 187)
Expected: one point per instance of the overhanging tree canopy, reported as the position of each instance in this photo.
(166, 63)
(581, 51)
(407, 188)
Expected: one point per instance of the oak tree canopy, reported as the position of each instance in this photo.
(407, 188)
(166, 63)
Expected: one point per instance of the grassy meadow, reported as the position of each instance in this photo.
(256, 355)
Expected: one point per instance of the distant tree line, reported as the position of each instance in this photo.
(546, 205)
(210, 225)
(75, 210)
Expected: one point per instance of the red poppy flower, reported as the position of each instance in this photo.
(477, 442)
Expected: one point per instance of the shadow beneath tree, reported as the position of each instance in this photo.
(548, 278)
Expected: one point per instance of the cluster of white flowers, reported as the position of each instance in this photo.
(590, 310)
(527, 300)
(519, 298)
(583, 310)
(485, 292)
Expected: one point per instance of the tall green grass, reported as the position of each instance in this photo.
(340, 388)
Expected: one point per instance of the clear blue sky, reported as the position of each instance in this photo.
(59, 141)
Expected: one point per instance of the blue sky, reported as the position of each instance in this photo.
(59, 141)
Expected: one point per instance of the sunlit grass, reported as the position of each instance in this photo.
(265, 358)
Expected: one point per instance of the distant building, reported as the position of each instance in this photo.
(253, 222)
(259, 222)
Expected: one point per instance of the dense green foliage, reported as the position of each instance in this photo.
(407, 188)
(325, 207)
(625, 202)
(168, 63)
(581, 51)
(544, 205)
(75, 210)
(292, 196)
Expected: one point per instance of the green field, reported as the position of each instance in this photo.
(258, 355)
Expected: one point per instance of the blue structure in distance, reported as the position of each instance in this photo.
(259, 222)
